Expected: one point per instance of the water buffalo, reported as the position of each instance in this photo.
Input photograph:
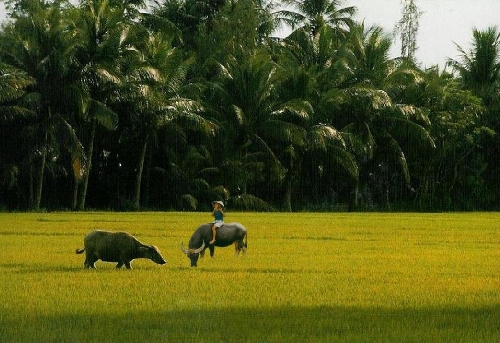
(227, 234)
(119, 247)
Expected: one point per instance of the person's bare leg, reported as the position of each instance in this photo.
(213, 235)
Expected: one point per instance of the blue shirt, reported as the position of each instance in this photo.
(218, 215)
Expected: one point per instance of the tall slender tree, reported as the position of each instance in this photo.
(156, 80)
(310, 66)
(407, 28)
(380, 129)
(103, 28)
(255, 118)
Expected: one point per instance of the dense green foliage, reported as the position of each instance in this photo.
(110, 104)
(351, 277)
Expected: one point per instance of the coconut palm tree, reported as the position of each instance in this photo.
(479, 71)
(313, 14)
(369, 53)
(103, 40)
(309, 67)
(256, 124)
(185, 17)
(39, 42)
(156, 88)
(453, 174)
(379, 129)
(479, 68)
(13, 87)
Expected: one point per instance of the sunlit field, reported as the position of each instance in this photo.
(309, 277)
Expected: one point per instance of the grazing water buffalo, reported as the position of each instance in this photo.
(227, 234)
(119, 247)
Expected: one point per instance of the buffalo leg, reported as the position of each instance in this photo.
(119, 265)
(243, 247)
(127, 265)
(212, 249)
(90, 262)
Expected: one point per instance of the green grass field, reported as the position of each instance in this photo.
(306, 278)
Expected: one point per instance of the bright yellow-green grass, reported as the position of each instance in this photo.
(311, 277)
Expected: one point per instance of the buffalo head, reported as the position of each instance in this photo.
(193, 254)
(153, 254)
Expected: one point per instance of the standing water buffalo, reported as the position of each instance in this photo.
(119, 247)
(227, 234)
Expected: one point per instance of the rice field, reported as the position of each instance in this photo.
(306, 277)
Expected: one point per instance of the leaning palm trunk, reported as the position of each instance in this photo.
(138, 178)
(353, 203)
(146, 179)
(287, 197)
(83, 194)
(39, 180)
(288, 183)
(31, 191)
(75, 194)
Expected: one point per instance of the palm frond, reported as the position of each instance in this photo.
(239, 115)
(9, 113)
(406, 130)
(345, 160)
(13, 83)
(322, 136)
(360, 139)
(106, 117)
(200, 184)
(414, 113)
(220, 192)
(73, 145)
(295, 110)
(398, 154)
(249, 202)
(194, 122)
(189, 202)
(275, 165)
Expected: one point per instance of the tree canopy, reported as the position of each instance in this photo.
(117, 105)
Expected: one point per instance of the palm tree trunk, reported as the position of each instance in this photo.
(386, 198)
(138, 178)
(40, 173)
(76, 185)
(83, 194)
(147, 179)
(31, 197)
(387, 191)
(288, 187)
(353, 204)
(288, 195)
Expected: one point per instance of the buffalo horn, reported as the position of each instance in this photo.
(199, 249)
(184, 249)
(192, 251)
